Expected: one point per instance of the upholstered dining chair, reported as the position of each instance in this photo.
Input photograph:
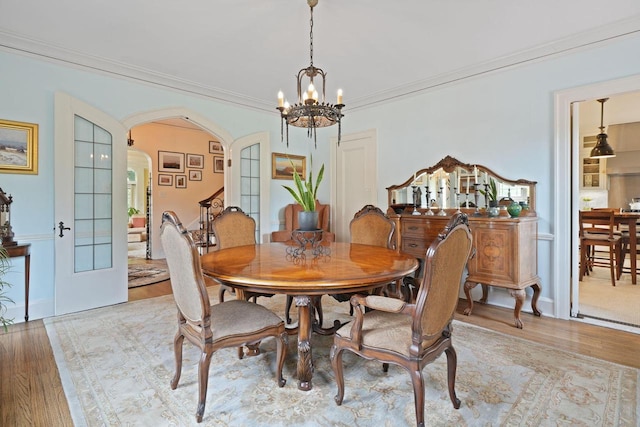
(233, 228)
(370, 226)
(211, 327)
(598, 229)
(412, 335)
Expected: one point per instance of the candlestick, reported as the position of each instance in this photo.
(339, 96)
(476, 196)
(280, 99)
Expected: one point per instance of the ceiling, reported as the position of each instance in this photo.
(245, 51)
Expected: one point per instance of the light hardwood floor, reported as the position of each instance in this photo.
(31, 393)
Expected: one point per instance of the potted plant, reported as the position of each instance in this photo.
(305, 195)
(491, 193)
(4, 268)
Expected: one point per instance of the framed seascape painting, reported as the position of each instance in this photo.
(218, 164)
(165, 179)
(215, 147)
(18, 147)
(282, 166)
(195, 161)
(169, 161)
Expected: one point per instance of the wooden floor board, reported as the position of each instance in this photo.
(31, 392)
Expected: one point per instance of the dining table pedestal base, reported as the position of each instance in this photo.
(305, 357)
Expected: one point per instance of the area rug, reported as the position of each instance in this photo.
(116, 364)
(147, 272)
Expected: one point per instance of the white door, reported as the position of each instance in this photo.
(247, 184)
(355, 179)
(90, 207)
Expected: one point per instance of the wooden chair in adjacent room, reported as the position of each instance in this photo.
(412, 335)
(598, 230)
(624, 251)
(211, 327)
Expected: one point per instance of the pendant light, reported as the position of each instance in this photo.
(602, 150)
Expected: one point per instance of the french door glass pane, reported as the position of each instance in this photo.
(92, 196)
(250, 183)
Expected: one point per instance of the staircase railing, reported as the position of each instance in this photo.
(210, 209)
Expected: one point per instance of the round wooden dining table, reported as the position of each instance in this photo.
(337, 268)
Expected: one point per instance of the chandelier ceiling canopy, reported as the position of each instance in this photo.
(309, 111)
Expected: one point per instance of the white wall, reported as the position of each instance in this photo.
(28, 87)
(503, 120)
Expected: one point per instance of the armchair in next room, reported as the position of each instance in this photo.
(291, 223)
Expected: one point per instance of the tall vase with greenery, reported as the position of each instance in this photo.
(491, 193)
(305, 195)
(4, 299)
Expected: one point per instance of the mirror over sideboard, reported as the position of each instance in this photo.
(452, 184)
(505, 233)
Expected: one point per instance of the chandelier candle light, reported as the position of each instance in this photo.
(309, 112)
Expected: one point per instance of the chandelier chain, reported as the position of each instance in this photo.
(311, 37)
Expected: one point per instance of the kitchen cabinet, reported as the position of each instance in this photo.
(592, 171)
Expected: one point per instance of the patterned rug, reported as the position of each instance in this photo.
(147, 272)
(116, 364)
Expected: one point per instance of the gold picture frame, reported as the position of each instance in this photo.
(18, 147)
(281, 166)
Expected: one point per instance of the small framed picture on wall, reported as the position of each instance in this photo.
(218, 164)
(168, 161)
(215, 147)
(181, 181)
(195, 175)
(195, 161)
(165, 179)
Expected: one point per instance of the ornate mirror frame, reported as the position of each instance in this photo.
(452, 184)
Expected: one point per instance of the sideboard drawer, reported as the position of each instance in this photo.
(415, 247)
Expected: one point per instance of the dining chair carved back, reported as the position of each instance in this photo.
(598, 229)
(211, 327)
(233, 228)
(412, 335)
(370, 226)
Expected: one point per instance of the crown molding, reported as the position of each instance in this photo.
(55, 54)
(581, 41)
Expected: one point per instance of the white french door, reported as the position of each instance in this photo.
(247, 183)
(90, 207)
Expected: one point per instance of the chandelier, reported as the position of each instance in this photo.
(309, 112)
(602, 150)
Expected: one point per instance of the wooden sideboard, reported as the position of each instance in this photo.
(505, 252)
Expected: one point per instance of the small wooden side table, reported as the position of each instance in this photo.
(23, 250)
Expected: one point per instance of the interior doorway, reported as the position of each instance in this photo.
(609, 183)
(568, 121)
(138, 203)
